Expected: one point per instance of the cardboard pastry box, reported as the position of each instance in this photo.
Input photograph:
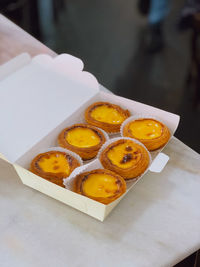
(40, 97)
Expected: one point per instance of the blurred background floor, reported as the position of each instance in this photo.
(109, 36)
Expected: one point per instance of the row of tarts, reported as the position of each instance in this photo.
(124, 158)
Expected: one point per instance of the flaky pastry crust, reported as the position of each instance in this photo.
(108, 127)
(152, 143)
(85, 153)
(134, 153)
(118, 181)
(56, 178)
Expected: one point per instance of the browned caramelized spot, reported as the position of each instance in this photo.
(118, 182)
(56, 167)
(136, 152)
(69, 159)
(107, 191)
(149, 134)
(126, 158)
(129, 148)
(55, 161)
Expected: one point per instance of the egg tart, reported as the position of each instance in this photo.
(125, 157)
(101, 185)
(83, 139)
(152, 133)
(54, 166)
(107, 116)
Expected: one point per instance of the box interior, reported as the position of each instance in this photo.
(50, 140)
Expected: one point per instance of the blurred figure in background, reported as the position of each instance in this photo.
(189, 14)
(157, 14)
(190, 19)
(157, 11)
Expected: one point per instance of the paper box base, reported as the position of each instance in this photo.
(79, 202)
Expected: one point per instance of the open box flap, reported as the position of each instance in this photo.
(38, 96)
(14, 64)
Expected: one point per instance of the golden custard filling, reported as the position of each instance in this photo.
(124, 155)
(146, 129)
(107, 114)
(54, 163)
(82, 137)
(100, 185)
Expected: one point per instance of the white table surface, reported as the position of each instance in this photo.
(156, 224)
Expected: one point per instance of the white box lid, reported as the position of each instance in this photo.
(38, 94)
